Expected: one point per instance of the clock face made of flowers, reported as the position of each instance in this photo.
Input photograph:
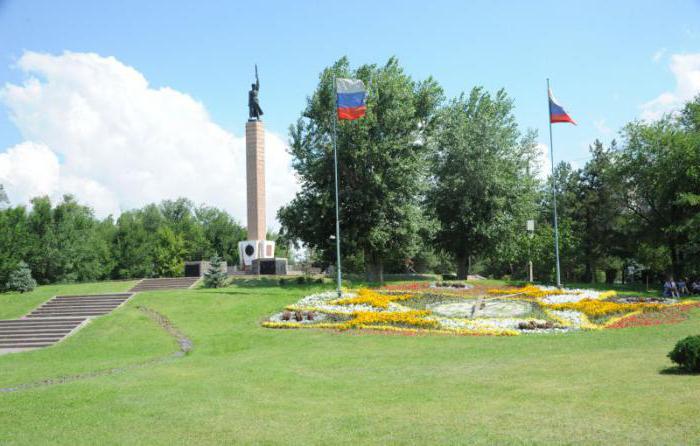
(507, 311)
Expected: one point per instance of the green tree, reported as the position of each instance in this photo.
(481, 186)
(15, 240)
(21, 279)
(180, 216)
(658, 167)
(169, 253)
(81, 254)
(215, 276)
(381, 162)
(134, 244)
(221, 232)
(598, 210)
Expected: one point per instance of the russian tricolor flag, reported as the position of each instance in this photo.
(350, 99)
(556, 111)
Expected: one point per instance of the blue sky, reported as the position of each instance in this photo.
(605, 59)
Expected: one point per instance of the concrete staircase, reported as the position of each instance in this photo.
(56, 319)
(170, 283)
(79, 306)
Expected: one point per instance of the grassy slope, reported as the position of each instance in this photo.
(13, 305)
(246, 384)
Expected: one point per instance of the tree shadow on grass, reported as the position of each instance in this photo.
(676, 370)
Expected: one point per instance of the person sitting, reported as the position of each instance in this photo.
(670, 289)
(683, 287)
(695, 287)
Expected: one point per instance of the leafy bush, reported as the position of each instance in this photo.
(449, 277)
(216, 276)
(21, 279)
(687, 354)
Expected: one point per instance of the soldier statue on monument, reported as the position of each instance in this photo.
(254, 110)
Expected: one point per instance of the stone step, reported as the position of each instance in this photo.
(56, 319)
(71, 309)
(86, 302)
(165, 283)
(86, 296)
(25, 344)
(81, 304)
(31, 336)
(29, 341)
(91, 299)
(31, 323)
(44, 330)
(24, 321)
(76, 312)
(82, 313)
(37, 330)
(38, 327)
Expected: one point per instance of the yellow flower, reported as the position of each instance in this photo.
(601, 308)
(529, 291)
(373, 298)
(409, 318)
(607, 295)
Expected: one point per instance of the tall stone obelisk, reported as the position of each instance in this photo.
(257, 254)
(255, 178)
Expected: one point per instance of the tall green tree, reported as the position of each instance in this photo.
(381, 162)
(481, 186)
(598, 210)
(221, 232)
(15, 240)
(658, 167)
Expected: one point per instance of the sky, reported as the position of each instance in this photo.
(128, 102)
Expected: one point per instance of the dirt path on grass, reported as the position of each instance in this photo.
(184, 343)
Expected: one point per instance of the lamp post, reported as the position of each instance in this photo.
(531, 234)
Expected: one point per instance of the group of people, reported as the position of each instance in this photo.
(681, 288)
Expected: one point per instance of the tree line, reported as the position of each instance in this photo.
(427, 184)
(65, 242)
(447, 185)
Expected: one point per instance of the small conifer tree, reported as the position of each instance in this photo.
(215, 276)
(21, 279)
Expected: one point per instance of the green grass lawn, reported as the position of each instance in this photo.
(243, 384)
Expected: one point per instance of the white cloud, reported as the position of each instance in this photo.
(29, 169)
(686, 69)
(95, 128)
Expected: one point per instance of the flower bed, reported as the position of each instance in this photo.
(672, 314)
(525, 310)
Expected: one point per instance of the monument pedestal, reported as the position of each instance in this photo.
(276, 266)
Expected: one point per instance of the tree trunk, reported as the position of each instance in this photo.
(374, 268)
(589, 275)
(610, 275)
(462, 267)
(676, 264)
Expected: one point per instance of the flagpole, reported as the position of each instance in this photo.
(337, 213)
(554, 190)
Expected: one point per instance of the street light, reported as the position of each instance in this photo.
(531, 232)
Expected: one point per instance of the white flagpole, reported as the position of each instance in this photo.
(337, 213)
(554, 189)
